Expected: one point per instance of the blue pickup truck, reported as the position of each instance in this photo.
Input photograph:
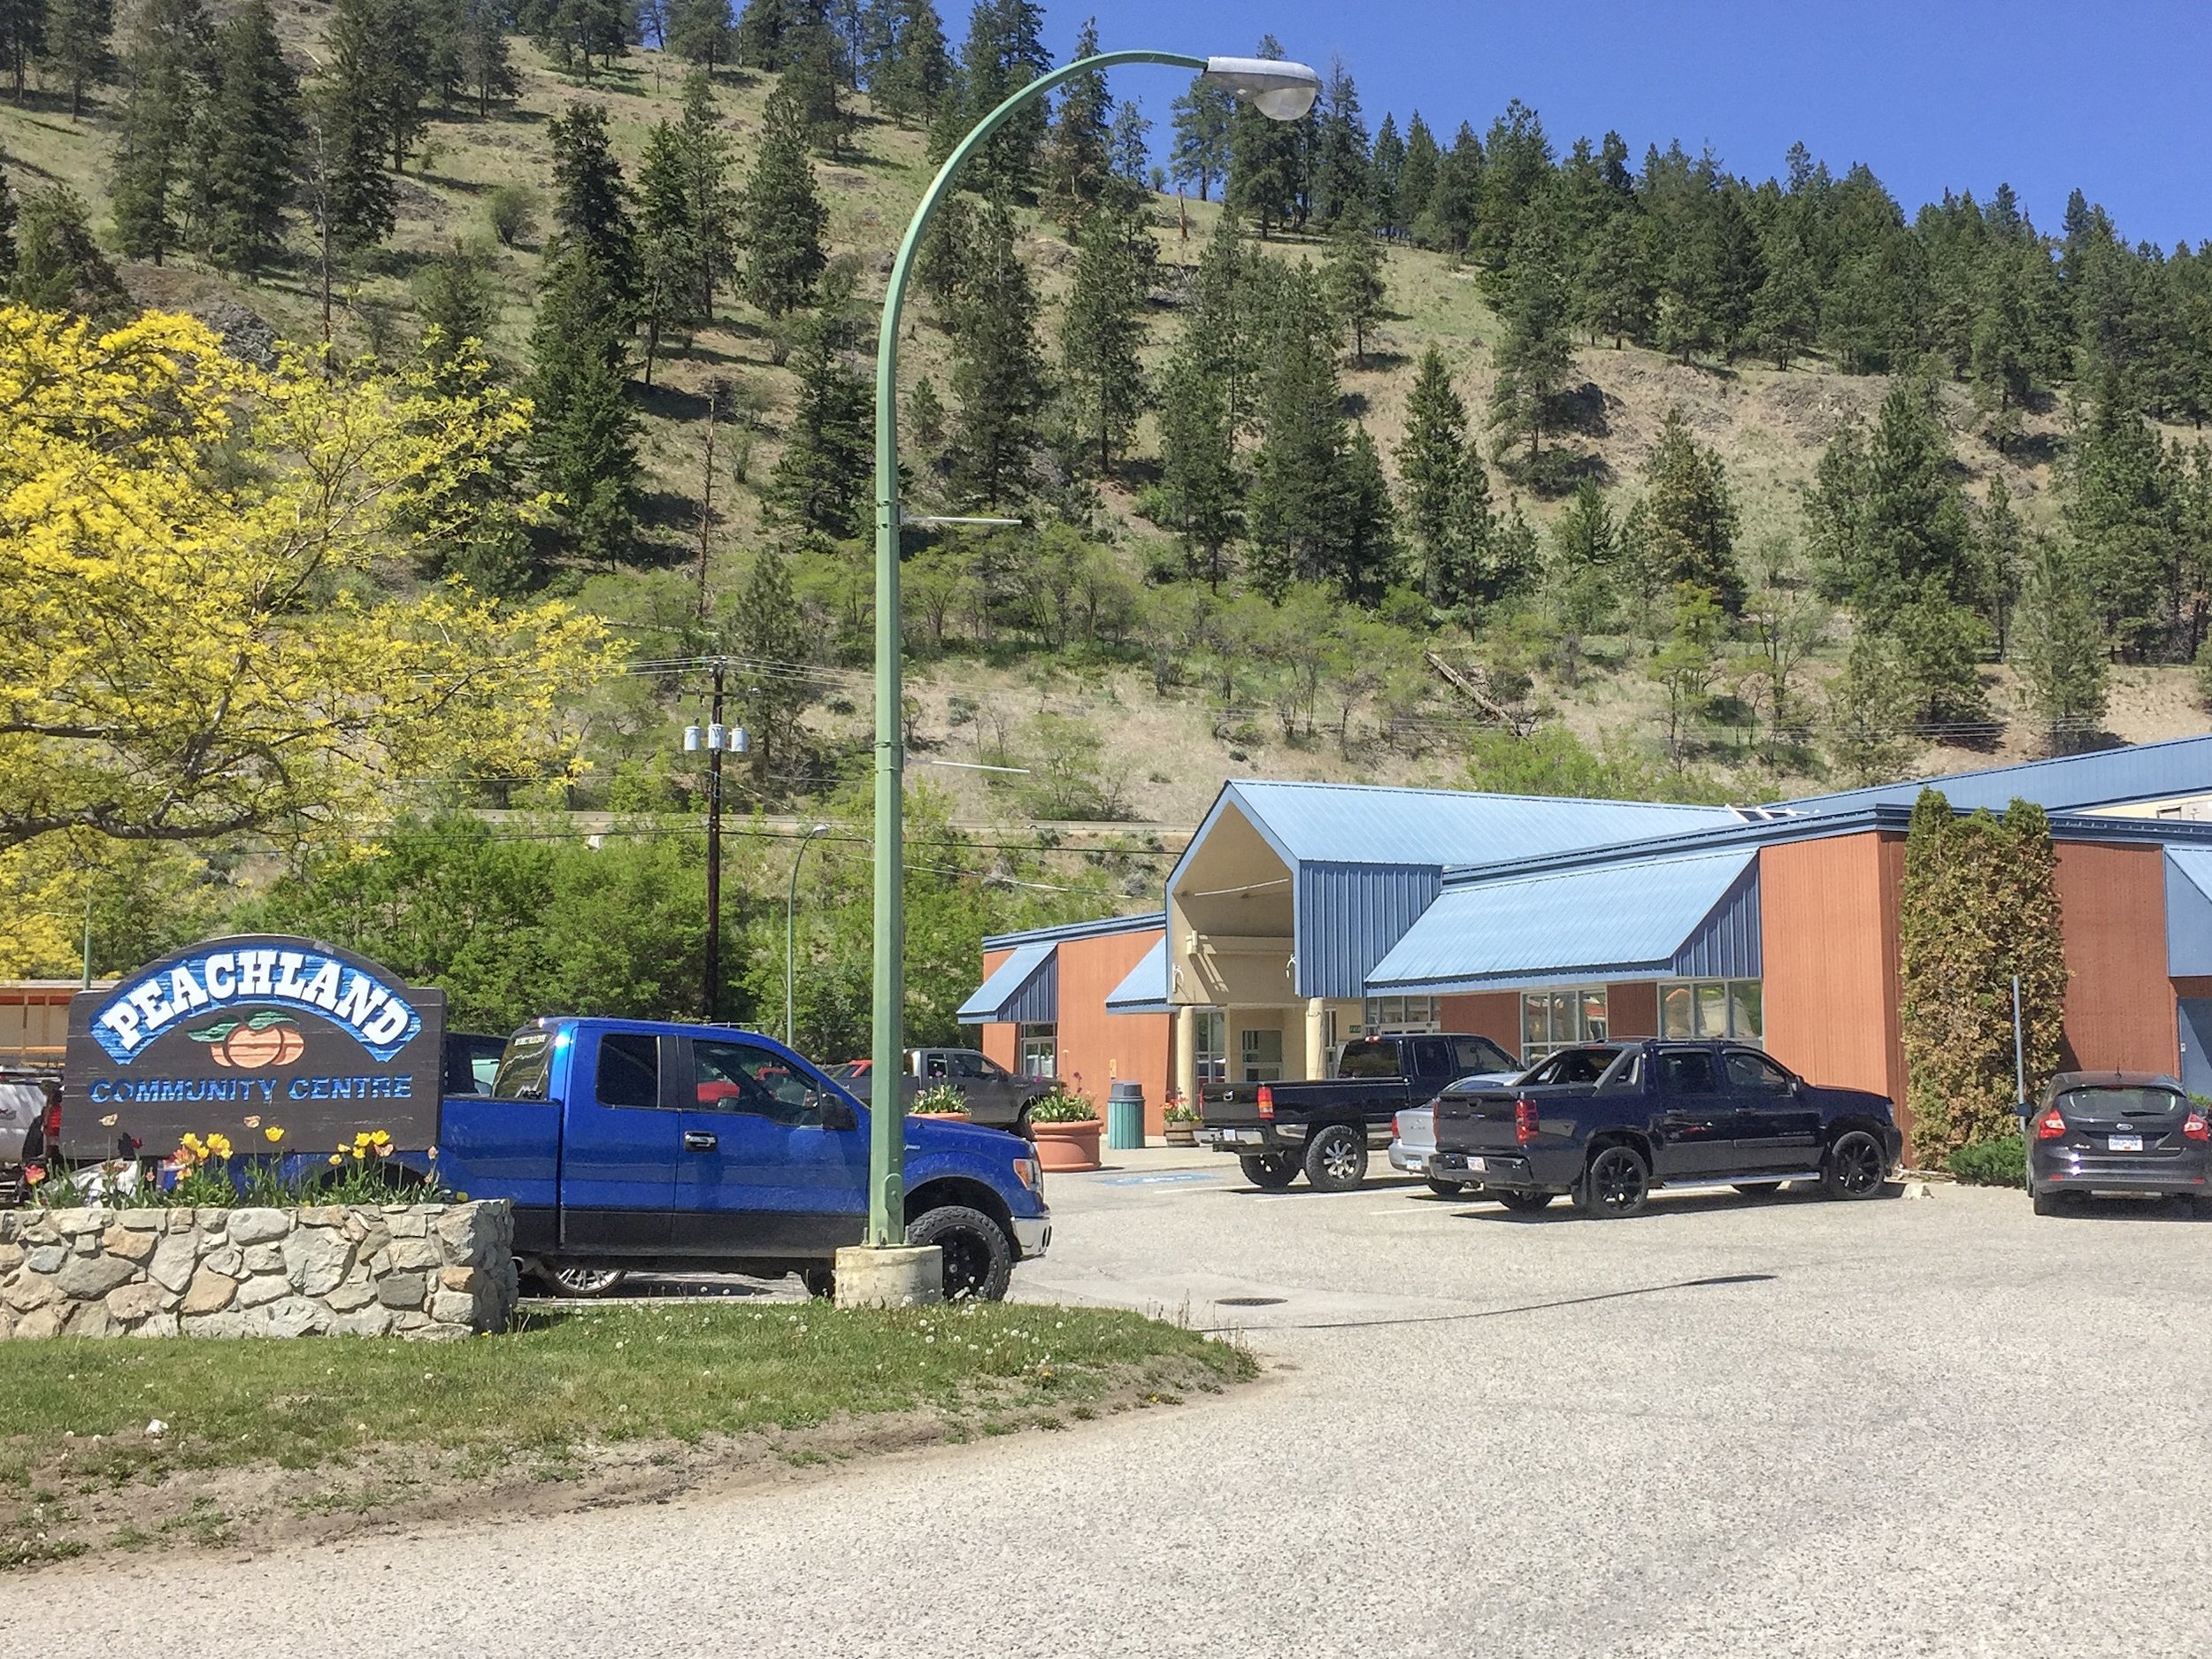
(634, 1145)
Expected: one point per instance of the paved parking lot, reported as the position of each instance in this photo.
(1926, 1426)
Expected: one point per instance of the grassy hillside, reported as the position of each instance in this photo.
(1160, 756)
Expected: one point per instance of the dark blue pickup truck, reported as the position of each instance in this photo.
(630, 1145)
(1609, 1122)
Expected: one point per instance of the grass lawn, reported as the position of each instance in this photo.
(309, 1419)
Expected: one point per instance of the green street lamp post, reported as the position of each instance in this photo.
(1281, 91)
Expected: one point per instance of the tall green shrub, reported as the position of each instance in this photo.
(1979, 904)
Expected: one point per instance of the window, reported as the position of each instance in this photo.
(1370, 1057)
(629, 1070)
(1479, 1054)
(1687, 1073)
(1402, 1013)
(1432, 1057)
(1039, 1047)
(1755, 1073)
(1712, 1008)
(526, 1067)
(736, 1077)
(1553, 1020)
(1261, 1053)
(971, 1065)
(936, 1066)
(1210, 1041)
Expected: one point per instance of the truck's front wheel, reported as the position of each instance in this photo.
(571, 1280)
(979, 1261)
(1336, 1159)
(1274, 1170)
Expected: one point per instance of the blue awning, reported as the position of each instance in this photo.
(1697, 914)
(1024, 988)
(1144, 989)
(2188, 912)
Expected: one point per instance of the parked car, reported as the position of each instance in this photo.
(1610, 1122)
(1413, 1143)
(995, 1096)
(2127, 1131)
(27, 1099)
(1325, 1128)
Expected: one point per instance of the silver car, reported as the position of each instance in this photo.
(23, 1102)
(1413, 1138)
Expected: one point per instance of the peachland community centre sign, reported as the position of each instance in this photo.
(244, 1032)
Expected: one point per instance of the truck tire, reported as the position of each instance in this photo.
(1447, 1189)
(979, 1256)
(1274, 1170)
(574, 1281)
(1616, 1183)
(1524, 1204)
(1336, 1159)
(1854, 1166)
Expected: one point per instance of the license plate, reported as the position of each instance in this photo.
(2127, 1143)
(1476, 1164)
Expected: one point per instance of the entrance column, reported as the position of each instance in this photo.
(1186, 1055)
(1317, 1036)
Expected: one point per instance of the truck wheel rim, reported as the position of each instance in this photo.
(967, 1264)
(1337, 1161)
(1858, 1163)
(585, 1281)
(1619, 1183)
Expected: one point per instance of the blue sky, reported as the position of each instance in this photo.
(1962, 93)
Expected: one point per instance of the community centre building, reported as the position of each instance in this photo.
(1303, 914)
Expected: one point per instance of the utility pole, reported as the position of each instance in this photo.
(711, 999)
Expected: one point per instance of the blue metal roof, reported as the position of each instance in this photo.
(1025, 987)
(1096, 928)
(1143, 990)
(2110, 777)
(1696, 915)
(2188, 912)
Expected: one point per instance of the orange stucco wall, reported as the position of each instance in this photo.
(1631, 1009)
(1828, 939)
(2119, 1003)
(1100, 1047)
(1493, 1014)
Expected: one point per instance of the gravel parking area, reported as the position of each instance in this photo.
(1926, 1426)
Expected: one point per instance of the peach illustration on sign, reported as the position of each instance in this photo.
(266, 1037)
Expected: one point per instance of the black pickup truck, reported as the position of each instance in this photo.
(1609, 1122)
(1325, 1127)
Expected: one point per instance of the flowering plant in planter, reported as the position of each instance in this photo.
(1179, 1110)
(209, 1172)
(1063, 1105)
(940, 1100)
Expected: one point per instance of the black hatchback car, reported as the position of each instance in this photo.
(2117, 1132)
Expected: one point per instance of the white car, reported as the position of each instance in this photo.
(1413, 1137)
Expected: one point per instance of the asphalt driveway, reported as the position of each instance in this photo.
(1925, 1426)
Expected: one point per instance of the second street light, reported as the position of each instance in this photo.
(1281, 91)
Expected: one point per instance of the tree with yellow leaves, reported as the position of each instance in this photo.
(206, 624)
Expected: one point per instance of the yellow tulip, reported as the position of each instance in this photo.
(337, 1157)
(273, 1134)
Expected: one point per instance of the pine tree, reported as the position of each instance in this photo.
(247, 137)
(1297, 483)
(1692, 521)
(1363, 557)
(1201, 125)
(352, 115)
(700, 31)
(668, 260)
(591, 201)
(1887, 518)
(924, 420)
(760, 627)
(1616, 292)
(913, 74)
(165, 78)
(821, 480)
(1997, 541)
(458, 307)
(1004, 52)
(1100, 330)
(783, 220)
(58, 266)
(1201, 488)
(1786, 314)
(1130, 150)
(1342, 179)
(1449, 217)
(22, 36)
(485, 68)
(8, 215)
(1079, 157)
(813, 79)
(1355, 276)
(1432, 459)
(1387, 166)
(1536, 356)
(77, 51)
(997, 373)
(402, 77)
(1266, 161)
(583, 429)
(1416, 178)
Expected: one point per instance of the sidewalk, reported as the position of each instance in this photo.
(1157, 1155)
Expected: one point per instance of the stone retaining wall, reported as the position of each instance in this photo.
(426, 1271)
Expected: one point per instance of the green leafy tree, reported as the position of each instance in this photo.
(247, 136)
(165, 77)
(78, 47)
(1978, 904)
(1687, 665)
(1692, 515)
(997, 371)
(1101, 329)
(782, 217)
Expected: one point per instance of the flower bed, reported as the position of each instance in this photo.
(426, 1271)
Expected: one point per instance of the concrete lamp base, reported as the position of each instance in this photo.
(892, 1276)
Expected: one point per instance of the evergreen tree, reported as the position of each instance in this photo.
(1416, 178)
(701, 32)
(1616, 292)
(914, 72)
(1365, 558)
(1297, 484)
(1449, 219)
(1535, 358)
(812, 78)
(591, 201)
(1201, 488)
(1997, 543)
(760, 627)
(2121, 499)
(1130, 147)
(76, 52)
(1079, 159)
(782, 217)
(668, 258)
(821, 480)
(403, 78)
(1342, 178)
(1266, 169)
(1201, 124)
(1516, 172)
(1786, 313)
(58, 266)
(1355, 276)
(22, 36)
(8, 215)
(924, 420)
(997, 373)
(1432, 461)
(1004, 52)
(1887, 517)
(164, 74)
(457, 306)
(480, 43)
(1101, 331)
(352, 116)
(1387, 166)
(1692, 524)
(246, 137)
(583, 429)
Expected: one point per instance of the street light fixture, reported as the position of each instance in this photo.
(790, 908)
(1281, 91)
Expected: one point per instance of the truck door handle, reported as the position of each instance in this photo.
(699, 1140)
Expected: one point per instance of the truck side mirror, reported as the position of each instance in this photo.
(835, 1113)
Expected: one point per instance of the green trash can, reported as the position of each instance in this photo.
(1125, 1117)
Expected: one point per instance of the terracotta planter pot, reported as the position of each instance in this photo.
(941, 1118)
(1182, 1134)
(1069, 1146)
